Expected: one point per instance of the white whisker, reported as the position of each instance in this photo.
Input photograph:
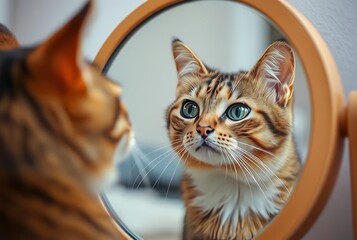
(172, 176)
(245, 176)
(260, 149)
(166, 153)
(172, 158)
(246, 167)
(255, 160)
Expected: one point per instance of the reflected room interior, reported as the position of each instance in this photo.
(226, 35)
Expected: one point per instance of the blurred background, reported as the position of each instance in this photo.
(32, 21)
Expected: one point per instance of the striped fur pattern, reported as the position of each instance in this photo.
(234, 134)
(60, 123)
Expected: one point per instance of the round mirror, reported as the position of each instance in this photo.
(229, 37)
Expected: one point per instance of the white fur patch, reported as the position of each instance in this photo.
(221, 192)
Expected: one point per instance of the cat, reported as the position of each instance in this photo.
(60, 123)
(234, 134)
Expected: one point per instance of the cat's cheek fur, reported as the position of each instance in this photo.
(123, 148)
(110, 176)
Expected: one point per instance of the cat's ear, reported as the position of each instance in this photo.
(276, 68)
(57, 63)
(187, 63)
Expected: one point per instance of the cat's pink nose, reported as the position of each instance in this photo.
(204, 131)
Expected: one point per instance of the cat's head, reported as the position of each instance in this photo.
(61, 109)
(232, 121)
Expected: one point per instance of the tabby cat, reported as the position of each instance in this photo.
(60, 124)
(234, 134)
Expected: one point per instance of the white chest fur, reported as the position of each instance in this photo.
(234, 199)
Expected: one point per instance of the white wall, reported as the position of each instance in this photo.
(33, 21)
(5, 11)
(336, 21)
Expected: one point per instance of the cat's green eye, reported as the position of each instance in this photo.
(189, 109)
(237, 111)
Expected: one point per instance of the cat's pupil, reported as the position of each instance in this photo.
(239, 112)
(191, 109)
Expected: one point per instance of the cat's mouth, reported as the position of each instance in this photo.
(205, 146)
(206, 152)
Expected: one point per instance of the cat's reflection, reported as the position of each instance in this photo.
(234, 134)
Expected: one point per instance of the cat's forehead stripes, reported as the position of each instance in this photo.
(215, 91)
(223, 86)
(220, 86)
(218, 91)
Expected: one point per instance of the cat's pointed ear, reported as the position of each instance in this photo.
(187, 63)
(57, 62)
(277, 68)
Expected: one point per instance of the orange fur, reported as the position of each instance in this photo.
(7, 40)
(60, 123)
(255, 152)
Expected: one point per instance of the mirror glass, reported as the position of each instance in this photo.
(226, 35)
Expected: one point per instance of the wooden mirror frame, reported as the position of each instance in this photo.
(330, 117)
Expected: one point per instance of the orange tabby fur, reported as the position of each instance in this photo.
(60, 123)
(254, 156)
(7, 40)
